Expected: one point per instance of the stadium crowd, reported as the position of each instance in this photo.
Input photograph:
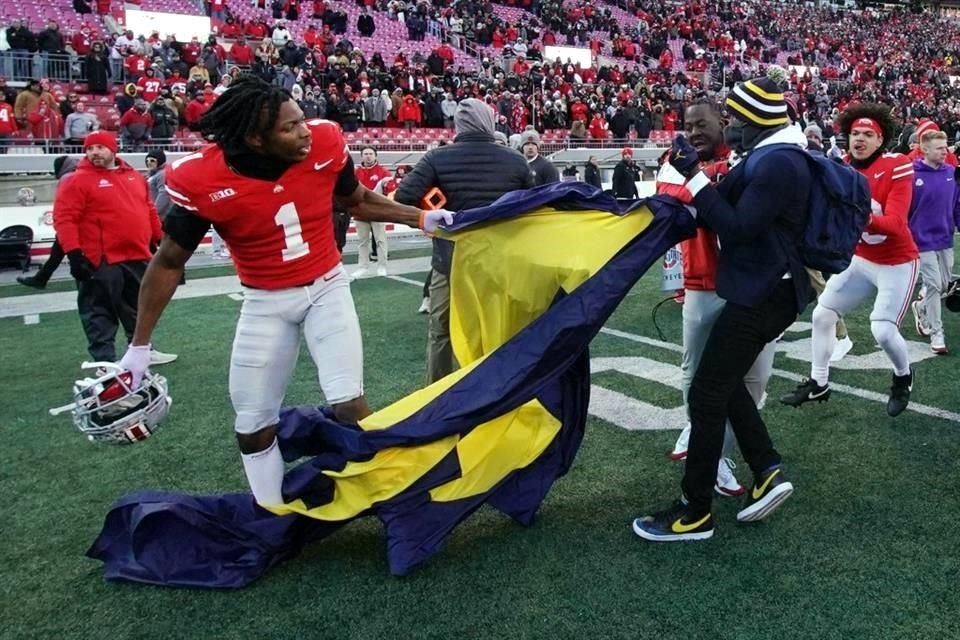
(652, 59)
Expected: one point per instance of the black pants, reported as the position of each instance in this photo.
(341, 222)
(106, 300)
(718, 392)
(48, 267)
(426, 285)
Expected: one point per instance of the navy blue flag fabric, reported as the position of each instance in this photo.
(539, 372)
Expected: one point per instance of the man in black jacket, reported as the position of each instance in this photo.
(625, 177)
(62, 167)
(759, 219)
(365, 24)
(472, 172)
(543, 170)
(591, 173)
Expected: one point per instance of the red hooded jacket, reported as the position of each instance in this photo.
(106, 213)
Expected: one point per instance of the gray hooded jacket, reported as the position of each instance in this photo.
(472, 172)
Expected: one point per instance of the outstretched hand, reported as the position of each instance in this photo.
(430, 220)
(683, 157)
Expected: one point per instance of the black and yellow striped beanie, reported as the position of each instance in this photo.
(758, 102)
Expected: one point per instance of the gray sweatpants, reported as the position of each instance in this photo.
(936, 269)
(700, 311)
(379, 232)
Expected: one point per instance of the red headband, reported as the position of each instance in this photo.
(867, 123)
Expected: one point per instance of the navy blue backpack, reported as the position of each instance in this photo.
(839, 207)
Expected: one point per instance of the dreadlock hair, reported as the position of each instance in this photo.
(880, 113)
(249, 107)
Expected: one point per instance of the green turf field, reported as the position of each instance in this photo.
(863, 549)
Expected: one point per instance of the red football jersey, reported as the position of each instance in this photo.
(280, 233)
(887, 238)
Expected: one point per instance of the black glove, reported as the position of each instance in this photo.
(80, 268)
(683, 157)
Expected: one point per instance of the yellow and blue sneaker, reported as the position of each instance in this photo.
(768, 492)
(675, 524)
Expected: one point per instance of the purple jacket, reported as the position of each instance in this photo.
(935, 208)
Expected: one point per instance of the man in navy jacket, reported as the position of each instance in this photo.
(759, 219)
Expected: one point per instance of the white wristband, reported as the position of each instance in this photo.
(697, 182)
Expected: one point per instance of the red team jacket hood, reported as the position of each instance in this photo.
(106, 213)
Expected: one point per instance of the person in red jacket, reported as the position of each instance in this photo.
(884, 264)
(371, 173)
(8, 124)
(82, 40)
(136, 125)
(924, 126)
(45, 124)
(241, 53)
(578, 110)
(195, 110)
(409, 112)
(106, 223)
(598, 127)
(256, 30)
(230, 29)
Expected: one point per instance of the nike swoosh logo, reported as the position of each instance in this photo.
(877, 176)
(321, 165)
(758, 491)
(679, 527)
(814, 396)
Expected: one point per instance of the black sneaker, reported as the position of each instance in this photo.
(32, 281)
(768, 492)
(675, 524)
(807, 391)
(900, 394)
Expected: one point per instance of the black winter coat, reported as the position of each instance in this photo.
(624, 181)
(591, 175)
(472, 172)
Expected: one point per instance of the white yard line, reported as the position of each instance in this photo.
(31, 306)
(857, 392)
(39, 303)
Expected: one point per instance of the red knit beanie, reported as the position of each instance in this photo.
(100, 137)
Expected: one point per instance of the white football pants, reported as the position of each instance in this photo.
(267, 344)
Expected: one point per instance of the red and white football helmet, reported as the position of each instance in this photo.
(107, 409)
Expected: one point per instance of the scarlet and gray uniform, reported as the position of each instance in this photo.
(280, 236)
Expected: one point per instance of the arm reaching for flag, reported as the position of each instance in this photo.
(499, 431)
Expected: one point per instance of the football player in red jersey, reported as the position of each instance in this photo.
(267, 185)
(885, 261)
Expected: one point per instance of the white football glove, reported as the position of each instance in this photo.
(136, 360)
(430, 220)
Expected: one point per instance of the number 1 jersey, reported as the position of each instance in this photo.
(279, 232)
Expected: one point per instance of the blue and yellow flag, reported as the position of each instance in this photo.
(534, 277)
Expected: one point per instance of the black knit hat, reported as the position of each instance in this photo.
(758, 102)
(158, 155)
